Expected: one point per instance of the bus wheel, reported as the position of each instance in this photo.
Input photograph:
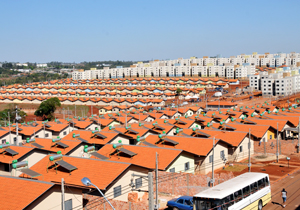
(260, 205)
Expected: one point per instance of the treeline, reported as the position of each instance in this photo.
(100, 64)
(35, 77)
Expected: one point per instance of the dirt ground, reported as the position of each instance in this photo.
(271, 167)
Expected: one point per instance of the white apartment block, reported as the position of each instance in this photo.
(239, 67)
(275, 84)
(254, 82)
(21, 64)
(41, 65)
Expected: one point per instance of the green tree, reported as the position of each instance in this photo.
(47, 108)
(10, 112)
(178, 91)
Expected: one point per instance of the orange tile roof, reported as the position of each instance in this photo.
(141, 131)
(270, 122)
(21, 150)
(222, 103)
(54, 126)
(102, 173)
(50, 146)
(27, 130)
(256, 130)
(91, 138)
(291, 117)
(196, 146)
(231, 137)
(82, 124)
(24, 191)
(145, 156)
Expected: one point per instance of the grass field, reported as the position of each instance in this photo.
(236, 168)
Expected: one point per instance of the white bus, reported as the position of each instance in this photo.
(247, 191)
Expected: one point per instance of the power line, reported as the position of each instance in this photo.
(161, 179)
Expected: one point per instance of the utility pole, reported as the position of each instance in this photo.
(212, 166)
(75, 111)
(277, 145)
(44, 131)
(9, 128)
(156, 180)
(62, 194)
(99, 125)
(17, 127)
(150, 191)
(249, 148)
(265, 146)
(126, 119)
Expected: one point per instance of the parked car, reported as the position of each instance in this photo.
(181, 203)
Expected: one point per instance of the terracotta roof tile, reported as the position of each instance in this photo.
(145, 156)
(21, 150)
(24, 191)
(197, 146)
(102, 173)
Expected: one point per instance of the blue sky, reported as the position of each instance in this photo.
(93, 30)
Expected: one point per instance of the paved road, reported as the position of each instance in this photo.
(292, 186)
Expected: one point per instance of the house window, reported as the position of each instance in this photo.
(3, 141)
(37, 136)
(210, 159)
(241, 148)
(47, 135)
(68, 204)
(117, 191)
(65, 133)
(270, 136)
(15, 138)
(172, 170)
(222, 154)
(187, 166)
(138, 183)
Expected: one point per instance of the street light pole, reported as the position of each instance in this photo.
(212, 166)
(87, 182)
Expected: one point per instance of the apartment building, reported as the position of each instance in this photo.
(229, 71)
(234, 67)
(275, 84)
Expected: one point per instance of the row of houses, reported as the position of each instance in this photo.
(110, 147)
(85, 101)
(143, 82)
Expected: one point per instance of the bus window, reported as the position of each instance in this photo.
(246, 191)
(228, 201)
(254, 187)
(216, 204)
(208, 204)
(267, 181)
(238, 196)
(261, 183)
